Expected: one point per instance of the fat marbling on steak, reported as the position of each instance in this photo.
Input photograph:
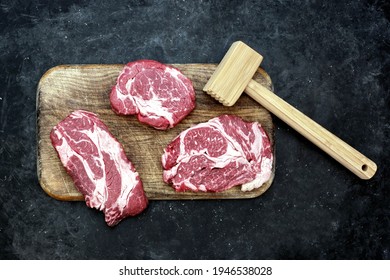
(98, 166)
(217, 155)
(160, 95)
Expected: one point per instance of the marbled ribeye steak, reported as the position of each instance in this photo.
(98, 166)
(160, 95)
(219, 154)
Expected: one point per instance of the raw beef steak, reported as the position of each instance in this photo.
(160, 95)
(98, 166)
(217, 155)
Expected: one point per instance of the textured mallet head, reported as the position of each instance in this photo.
(233, 73)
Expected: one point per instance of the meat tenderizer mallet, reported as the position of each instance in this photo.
(234, 75)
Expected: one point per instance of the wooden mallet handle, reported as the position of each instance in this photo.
(322, 138)
(234, 75)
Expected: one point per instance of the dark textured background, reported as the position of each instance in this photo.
(331, 60)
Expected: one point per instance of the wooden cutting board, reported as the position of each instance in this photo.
(66, 88)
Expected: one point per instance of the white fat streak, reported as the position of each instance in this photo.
(257, 145)
(261, 177)
(188, 184)
(128, 177)
(153, 108)
(129, 84)
(64, 151)
(257, 149)
(101, 138)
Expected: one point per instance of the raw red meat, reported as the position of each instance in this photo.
(217, 155)
(98, 166)
(160, 95)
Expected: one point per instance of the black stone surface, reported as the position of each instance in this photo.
(330, 59)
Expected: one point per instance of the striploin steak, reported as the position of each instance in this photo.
(160, 95)
(98, 166)
(217, 155)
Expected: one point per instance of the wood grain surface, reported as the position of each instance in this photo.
(66, 88)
